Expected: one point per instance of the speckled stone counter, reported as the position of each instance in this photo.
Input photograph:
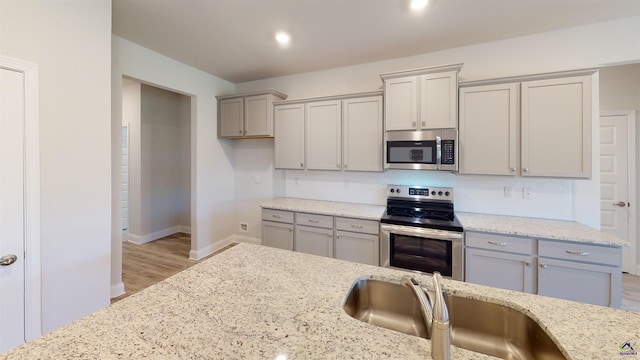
(540, 228)
(255, 302)
(361, 211)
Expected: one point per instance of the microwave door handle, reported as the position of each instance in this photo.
(438, 152)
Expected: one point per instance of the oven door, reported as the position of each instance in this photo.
(422, 249)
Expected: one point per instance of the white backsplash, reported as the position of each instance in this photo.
(549, 198)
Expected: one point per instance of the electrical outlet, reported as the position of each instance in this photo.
(508, 190)
(244, 227)
(526, 193)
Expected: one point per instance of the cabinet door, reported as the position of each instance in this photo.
(501, 270)
(439, 100)
(231, 117)
(356, 247)
(324, 135)
(556, 127)
(488, 135)
(277, 235)
(257, 114)
(401, 103)
(362, 134)
(314, 241)
(581, 282)
(289, 136)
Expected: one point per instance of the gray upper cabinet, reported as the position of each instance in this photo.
(247, 115)
(339, 133)
(537, 125)
(421, 99)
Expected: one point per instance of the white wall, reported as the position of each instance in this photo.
(212, 177)
(75, 146)
(131, 115)
(165, 199)
(574, 48)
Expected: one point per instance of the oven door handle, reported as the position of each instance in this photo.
(421, 232)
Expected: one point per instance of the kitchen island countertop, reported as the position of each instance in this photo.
(256, 302)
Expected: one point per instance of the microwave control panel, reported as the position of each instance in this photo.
(448, 152)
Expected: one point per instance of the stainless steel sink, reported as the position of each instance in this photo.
(476, 325)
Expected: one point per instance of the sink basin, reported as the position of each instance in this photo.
(476, 325)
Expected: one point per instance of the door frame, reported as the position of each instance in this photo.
(33, 274)
(631, 177)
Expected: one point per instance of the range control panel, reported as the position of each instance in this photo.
(420, 192)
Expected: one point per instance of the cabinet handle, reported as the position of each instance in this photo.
(313, 221)
(338, 166)
(240, 132)
(526, 263)
(290, 230)
(301, 165)
(357, 226)
(413, 124)
(513, 169)
(497, 243)
(620, 203)
(423, 124)
(544, 266)
(525, 169)
(581, 253)
(277, 216)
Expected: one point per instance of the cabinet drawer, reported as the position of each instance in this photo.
(580, 252)
(323, 221)
(496, 242)
(358, 225)
(277, 215)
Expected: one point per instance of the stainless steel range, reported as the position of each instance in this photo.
(419, 231)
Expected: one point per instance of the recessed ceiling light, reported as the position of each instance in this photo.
(418, 4)
(283, 38)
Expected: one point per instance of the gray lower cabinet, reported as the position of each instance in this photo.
(277, 228)
(358, 240)
(315, 241)
(568, 270)
(351, 239)
(501, 261)
(580, 272)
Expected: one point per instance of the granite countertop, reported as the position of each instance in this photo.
(256, 302)
(539, 228)
(361, 211)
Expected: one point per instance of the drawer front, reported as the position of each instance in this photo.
(497, 242)
(277, 215)
(358, 225)
(606, 255)
(323, 221)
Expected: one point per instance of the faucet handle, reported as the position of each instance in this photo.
(440, 311)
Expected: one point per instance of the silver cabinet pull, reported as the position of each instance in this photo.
(525, 169)
(357, 226)
(276, 216)
(581, 253)
(513, 169)
(544, 266)
(301, 165)
(526, 263)
(240, 132)
(413, 124)
(313, 221)
(620, 203)
(8, 260)
(497, 243)
(423, 124)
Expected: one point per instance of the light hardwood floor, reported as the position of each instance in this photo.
(150, 263)
(147, 264)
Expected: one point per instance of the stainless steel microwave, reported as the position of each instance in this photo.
(422, 150)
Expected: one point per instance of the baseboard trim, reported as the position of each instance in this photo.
(143, 239)
(117, 290)
(208, 250)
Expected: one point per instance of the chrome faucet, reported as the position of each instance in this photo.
(436, 316)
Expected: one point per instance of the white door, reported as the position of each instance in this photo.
(125, 180)
(616, 146)
(12, 219)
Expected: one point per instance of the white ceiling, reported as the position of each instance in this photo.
(233, 39)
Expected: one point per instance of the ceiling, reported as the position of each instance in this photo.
(233, 39)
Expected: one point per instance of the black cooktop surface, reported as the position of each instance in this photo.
(434, 215)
